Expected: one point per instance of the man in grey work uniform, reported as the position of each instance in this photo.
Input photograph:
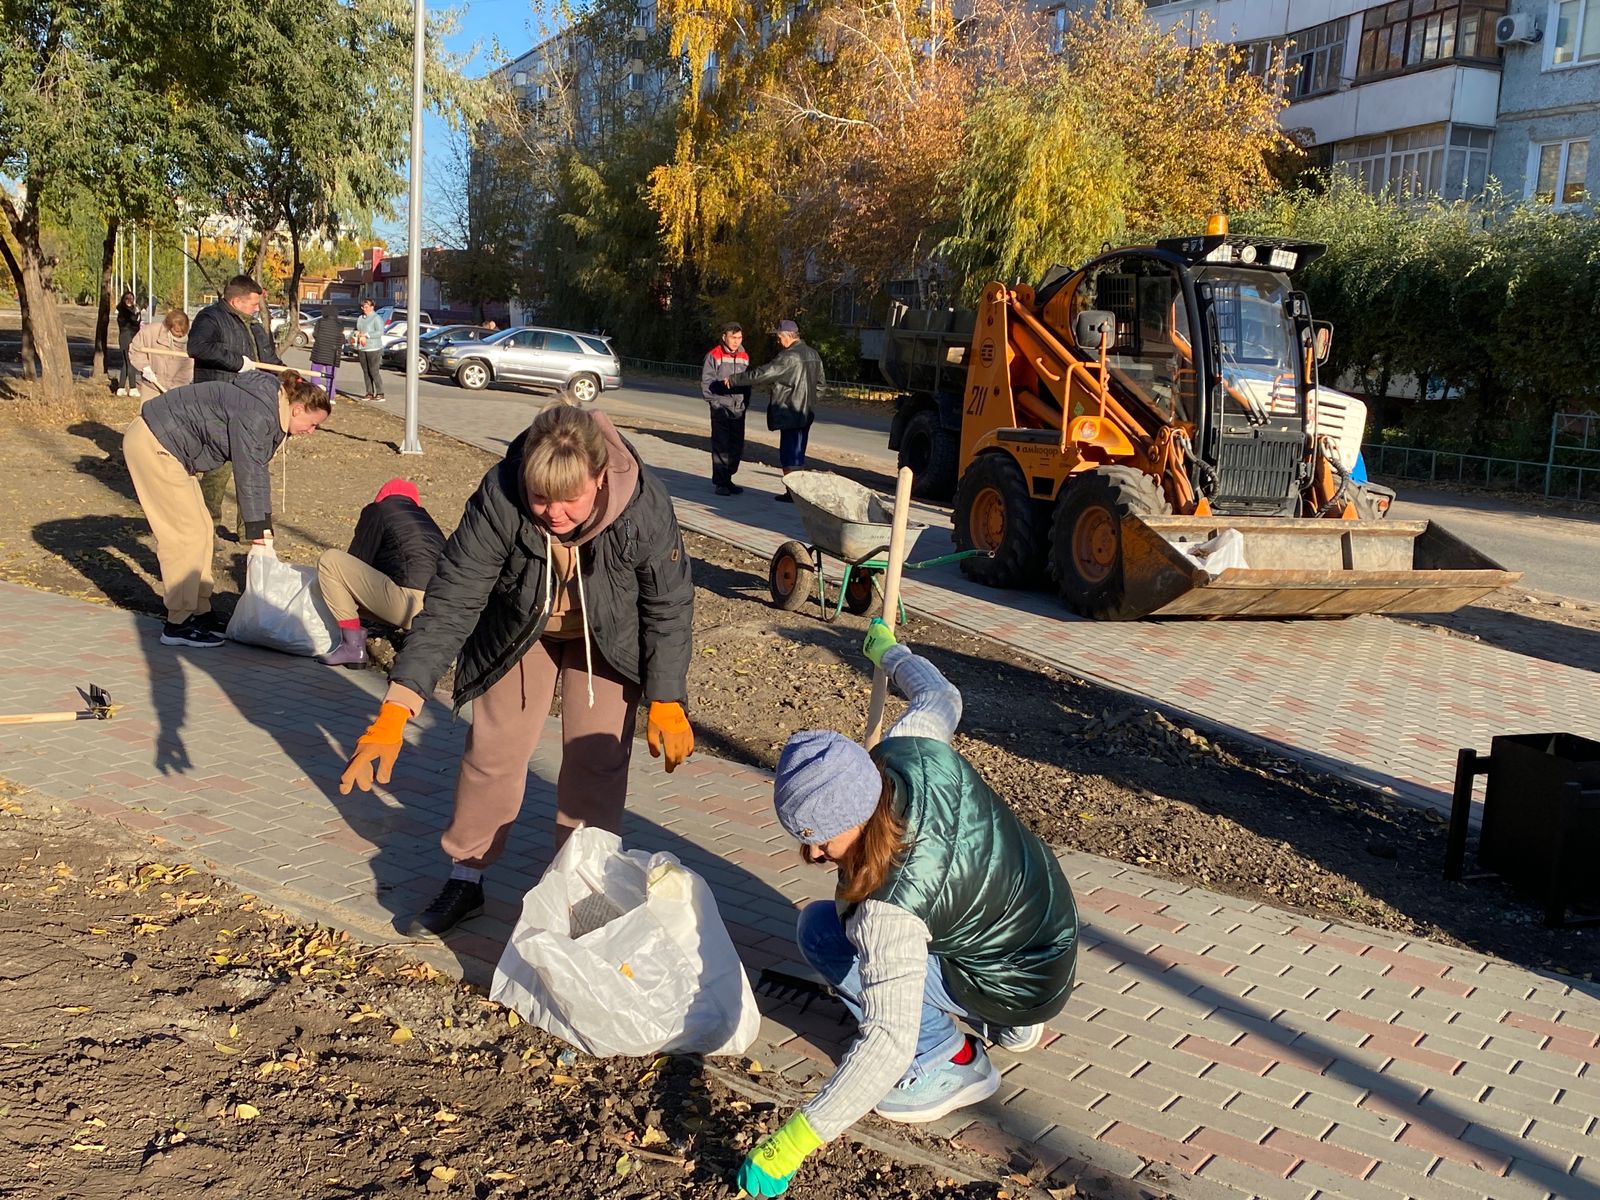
(723, 361)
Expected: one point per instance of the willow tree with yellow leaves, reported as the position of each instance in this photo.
(811, 147)
(1134, 133)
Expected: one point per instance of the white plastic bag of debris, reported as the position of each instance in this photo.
(622, 952)
(282, 607)
(1215, 555)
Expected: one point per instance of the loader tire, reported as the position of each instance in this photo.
(995, 514)
(933, 454)
(1086, 537)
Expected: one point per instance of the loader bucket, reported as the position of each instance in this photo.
(1298, 567)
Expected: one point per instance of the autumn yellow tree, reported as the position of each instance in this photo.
(1134, 133)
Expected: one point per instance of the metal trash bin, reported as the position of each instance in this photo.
(1541, 818)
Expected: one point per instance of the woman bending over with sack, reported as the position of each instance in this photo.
(188, 431)
(946, 907)
(567, 568)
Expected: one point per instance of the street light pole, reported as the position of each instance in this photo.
(410, 445)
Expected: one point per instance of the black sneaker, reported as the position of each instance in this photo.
(211, 622)
(736, 489)
(784, 498)
(188, 634)
(723, 489)
(456, 902)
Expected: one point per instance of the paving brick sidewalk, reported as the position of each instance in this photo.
(1367, 699)
(1216, 1047)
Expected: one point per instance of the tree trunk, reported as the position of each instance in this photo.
(102, 319)
(29, 356)
(35, 293)
(292, 300)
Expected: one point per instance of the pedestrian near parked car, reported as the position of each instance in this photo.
(393, 554)
(567, 569)
(723, 361)
(128, 323)
(947, 906)
(327, 338)
(163, 370)
(179, 434)
(794, 379)
(226, 340)
(369, 345)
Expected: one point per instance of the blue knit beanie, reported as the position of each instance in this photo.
(825, 784)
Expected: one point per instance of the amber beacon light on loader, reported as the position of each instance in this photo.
(1147, 434)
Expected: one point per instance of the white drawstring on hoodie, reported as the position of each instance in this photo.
(583, 605)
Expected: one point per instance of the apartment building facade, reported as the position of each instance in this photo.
(1550, 101)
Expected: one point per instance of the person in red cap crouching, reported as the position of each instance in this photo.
(385, 572)
(947, 906)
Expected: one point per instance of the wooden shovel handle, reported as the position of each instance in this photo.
(260, 366)
(891, 600)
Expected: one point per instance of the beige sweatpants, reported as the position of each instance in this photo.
(507, 720)
(176, 510)
(351, 588)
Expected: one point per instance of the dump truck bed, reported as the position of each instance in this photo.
(1299, 567)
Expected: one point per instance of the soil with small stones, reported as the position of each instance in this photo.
(1085, 767)
(163, 1037)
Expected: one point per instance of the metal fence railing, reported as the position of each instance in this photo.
(677, 370)
(1561, 480)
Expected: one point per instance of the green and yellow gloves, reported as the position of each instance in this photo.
(376, 751)
(879, 638)
(668, 733)
(767, 1169)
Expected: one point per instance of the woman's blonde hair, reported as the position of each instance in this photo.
(565, 450)
(874, 854)
(296, 390)
(176, 321)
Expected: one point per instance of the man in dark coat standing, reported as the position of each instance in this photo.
(391, 560)
(725, 360)
(795, 381)
(225, 340)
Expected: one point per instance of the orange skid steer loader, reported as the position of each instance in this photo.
(1144, 432)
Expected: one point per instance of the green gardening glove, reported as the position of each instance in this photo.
(766, 1170)
(879, 638)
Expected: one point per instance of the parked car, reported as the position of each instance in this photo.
(394, 354)
(581, 364)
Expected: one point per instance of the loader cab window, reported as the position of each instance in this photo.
(1152, 355)
(1256, 338)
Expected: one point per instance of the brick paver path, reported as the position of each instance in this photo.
(1368, 699)
(1216, 1047)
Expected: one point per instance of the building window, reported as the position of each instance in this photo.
(635, 81)
(520, 79)
(1260, 58)
(646, 19)
(1319, 53)
(1559, 172)
(1466, 166)
(1058, 30)
(1577, 36)
(1413, 33)
(1406, 163)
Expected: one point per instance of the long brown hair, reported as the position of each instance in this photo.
(875, 853)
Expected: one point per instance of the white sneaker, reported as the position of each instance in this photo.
(917, 1099)
(122, 391)
(134, 392)
(1018, 1039)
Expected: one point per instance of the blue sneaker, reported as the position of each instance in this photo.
(931, 1094)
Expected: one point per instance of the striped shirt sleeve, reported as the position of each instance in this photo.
(893, 945)
(935, 709)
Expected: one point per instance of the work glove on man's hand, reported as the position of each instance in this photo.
(249, 364)
(767, 1169)
(379, 747)
(879, 638)
(668, 733)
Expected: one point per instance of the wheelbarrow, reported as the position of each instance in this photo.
(851, 524)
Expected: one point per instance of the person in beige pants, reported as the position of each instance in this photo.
(393, 554)
(189, 430)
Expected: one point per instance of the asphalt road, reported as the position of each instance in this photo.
(1557, 550)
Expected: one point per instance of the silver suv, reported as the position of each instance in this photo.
(581, 364)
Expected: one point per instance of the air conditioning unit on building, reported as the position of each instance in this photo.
(1516, 29)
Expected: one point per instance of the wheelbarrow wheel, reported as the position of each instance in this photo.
(791, 576)
(858, 596)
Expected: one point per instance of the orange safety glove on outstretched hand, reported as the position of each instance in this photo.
(669, 734)
(379, 745)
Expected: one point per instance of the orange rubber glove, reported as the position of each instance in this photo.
(379, 745)
(669, 734)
